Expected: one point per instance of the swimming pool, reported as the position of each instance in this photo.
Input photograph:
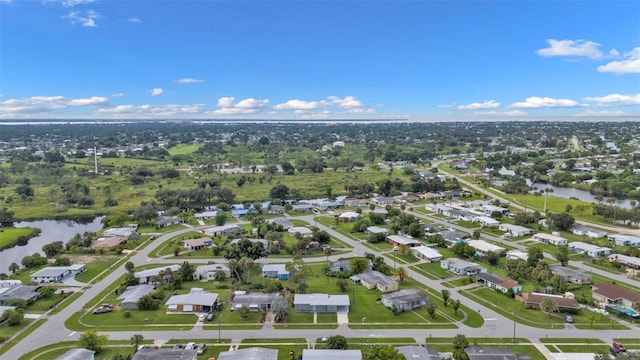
(625, 310)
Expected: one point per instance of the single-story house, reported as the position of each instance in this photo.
(264, 242)
(129, 298)
(275, 271)
(253, 353)
(345, 265)
(328, 205)
(488, 209)
(108, 242)
(413, 352)
(515, 230)
(303, 231)
(286, 224)
(431, 196)
(405, 299)
(349, 216)
(550, 239)
(355, 202)
(301, 207)
(380, 211)
(321, 303)
(485, 221)
(628, 261)
(382, 200)
(21, 292)
(168, 221)
(517, 255)
(333, 354)
(276, 209)
(237, 213)
(10, 283)
(377, 230)
(587, 231)
(149, 275)
(625, 240)
(197, 300)
(208, 272)
(589, 249)
(130, 232)
(198, 244)
(52, 274)
(533, 300)
(373, 279)
(482, 247)
(153, 353)
(478, 353)
(224, 230)
(459, 214)
(570, 275)
(255, 301)
(460, 267)
(426, 253)
(452, 236)
(495, 282)
(397, 240)
(77, 354)
(206, 215)
(610, 294)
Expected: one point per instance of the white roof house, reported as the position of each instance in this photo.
(333, 354)
(587, 231)
(208, 272)
(349, 216)
(517, 255)
(516, 230)
(486, 221)
(426, 253)
(51, 274)
(196, 296)
(145, 275)
(550, 239)
(303, 231)
(625, 240)
(249, 354)
(230, 229)
(589, 249)
(403, 240)
(484, 247)
(629, 261)
(377, 230)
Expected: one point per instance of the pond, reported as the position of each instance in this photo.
(565, 192)
(52, 230)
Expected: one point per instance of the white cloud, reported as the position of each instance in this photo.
(71, 3)
(536, 102)
(166, 110)
(188, 81)
(6, 2)
(630, 64)
(156, 91)
(134, 20)
(246, 106)
(615, 99)
(347, 102)
(362, 111)
(117, 95)
(300, 105)
(603, 113)
(85, 18)
(585, 48)
(92, 101)
(490, 104)
(46, 104)
(501, 113)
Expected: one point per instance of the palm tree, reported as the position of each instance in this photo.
(327, 253)
(136, 340)
(548, 305)
(547, 191)
(401, 274)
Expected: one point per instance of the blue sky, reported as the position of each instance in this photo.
(422, 60)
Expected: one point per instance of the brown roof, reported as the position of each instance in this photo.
(197, 242)
(562, 302)
(508, 283)
(614, 292)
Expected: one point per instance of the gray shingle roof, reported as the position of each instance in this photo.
(76, 354)
(254, 353)
(321, 299)
(413, 352)
(405, 295)
(324, 354)
(134, 293)
(164, 354)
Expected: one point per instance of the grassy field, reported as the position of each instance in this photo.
(9, 236)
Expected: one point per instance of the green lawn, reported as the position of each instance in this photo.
(435, 270)
(97, 265)
(184, 149)
(8, 331)
(9, 237)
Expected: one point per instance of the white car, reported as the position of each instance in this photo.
(202, 317)
(191, 346)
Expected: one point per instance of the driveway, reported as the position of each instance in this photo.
(71, 281)
(343, 318)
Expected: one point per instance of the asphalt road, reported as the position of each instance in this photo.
(53, 330)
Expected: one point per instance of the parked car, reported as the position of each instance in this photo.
(201, 349)
(101, 309)
(614, 351)
(191, 346)
(568, 318)
(202, 317)
(177, 346)
(619, 347)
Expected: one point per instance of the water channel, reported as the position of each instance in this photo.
(52, 230)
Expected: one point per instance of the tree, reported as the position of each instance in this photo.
(186, 271)
(129, 266)
(342, 284)
(221, 218)
(243, 312)
(455, 304)
(563, 255)
(401, 274)
(548, 305)
(492, 258)
(302, 288)
(382, 352)
(534, 254)
(46, 292)
(53, 249)
(13, 317)
(338, 342)
(279, 191)
(476, 234)
(6, 215)
(280, 308)
(562, 221)
(136, 340)
(445, 296)
(359, 264)
(460, 342)
(327, 253)
(92, 341)
(14, 267)
(431, 308)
